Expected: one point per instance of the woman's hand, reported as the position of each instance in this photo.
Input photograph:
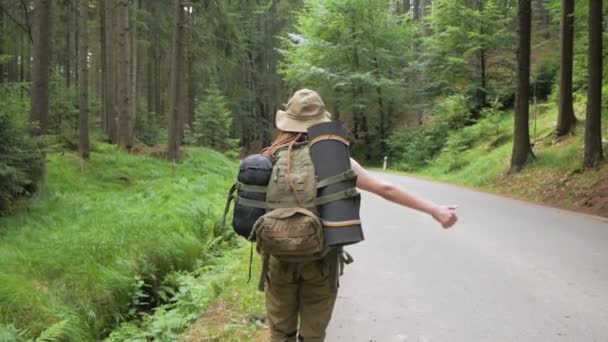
(445, 215)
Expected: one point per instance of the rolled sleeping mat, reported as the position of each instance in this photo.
(337, 198)
(254, 175)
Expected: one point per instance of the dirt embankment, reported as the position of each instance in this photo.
(585, 192)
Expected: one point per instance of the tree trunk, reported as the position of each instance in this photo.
(482, 94)
(104, 66)
(133, 78)
(522, 151)
(416, 9)
(175, 90)
(124, 76)
(83, 97)
(76, 49)
(41, 67)
(405, 7)
(566, 119)
(2, 28)
(112, 112)
(66, 17)
(593, 122)
(191, 90)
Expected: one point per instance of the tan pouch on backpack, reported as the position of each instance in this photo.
(290, 234)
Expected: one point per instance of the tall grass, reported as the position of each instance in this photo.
(78, 257)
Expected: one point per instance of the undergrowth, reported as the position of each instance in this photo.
(232, 306)
(479, 156)
(92, 250)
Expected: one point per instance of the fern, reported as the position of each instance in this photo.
(55, 332)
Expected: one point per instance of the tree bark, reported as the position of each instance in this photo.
(2, 21)
(416, 9)
(124, 76)
(104, 66)
(133, 78)
(405, 7)
(593, 122)
(67, 20)
(175, 90)
(112, 111)
(522, 151)
(83, 98)
(566, 119)
(41, 67)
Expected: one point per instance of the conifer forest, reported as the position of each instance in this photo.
(122, 123)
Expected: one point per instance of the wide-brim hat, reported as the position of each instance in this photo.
(304, 109)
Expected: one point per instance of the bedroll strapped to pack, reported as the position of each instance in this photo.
(338, 201)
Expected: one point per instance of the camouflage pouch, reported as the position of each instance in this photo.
(291, 234)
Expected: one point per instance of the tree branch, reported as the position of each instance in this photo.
(23, 27)
(27, 21)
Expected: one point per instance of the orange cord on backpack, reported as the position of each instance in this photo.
(289, 179)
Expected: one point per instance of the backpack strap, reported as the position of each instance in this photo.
(264, 273)
(229, 199)
(336, 196)
(251, 188)
(340, 177)
(344, 259)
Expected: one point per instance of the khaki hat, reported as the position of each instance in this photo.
(304, 109)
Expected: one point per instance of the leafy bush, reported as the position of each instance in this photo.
(453, 111)
(212, 122)
(415, 148)
(146, 128)
(63, 112)
(544, 79)
(457, 142)
(490, 126)
(21, 160)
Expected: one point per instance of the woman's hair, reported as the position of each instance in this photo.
(286, 139)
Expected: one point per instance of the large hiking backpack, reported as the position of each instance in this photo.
(302, 200)
(284, 223)
(291, 229)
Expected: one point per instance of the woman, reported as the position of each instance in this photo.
(300, 296)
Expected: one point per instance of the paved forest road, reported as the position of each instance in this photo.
(509, 271)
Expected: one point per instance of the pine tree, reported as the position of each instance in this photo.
(213, 121)
(83, 126)
(522, 151)
(176, 86)
(593, 123)
(124, 76)
(566, 119)
(39, 114)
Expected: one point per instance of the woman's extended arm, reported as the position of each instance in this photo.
(445, 215)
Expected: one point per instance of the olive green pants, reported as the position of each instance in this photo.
(300, 298)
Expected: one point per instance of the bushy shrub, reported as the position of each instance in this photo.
(146, 128)
(63, 112)
(544, 78)
(212, 123)
(21, 160)
(490, 124)
(415, 148)
(452, 111)
(458, 141)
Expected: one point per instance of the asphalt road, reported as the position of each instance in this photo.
(508, 271)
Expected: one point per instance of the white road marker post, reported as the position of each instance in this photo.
(384, 164)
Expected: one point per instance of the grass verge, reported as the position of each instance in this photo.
(92, 250)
